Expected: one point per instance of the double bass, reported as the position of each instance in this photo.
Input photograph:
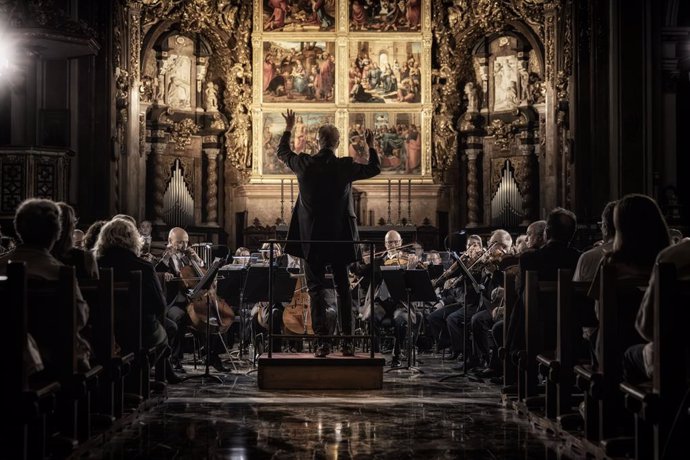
(203, 297)
(297, 315)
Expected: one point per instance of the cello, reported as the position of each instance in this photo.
(203, 298)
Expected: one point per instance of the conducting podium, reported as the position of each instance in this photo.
(408, 286)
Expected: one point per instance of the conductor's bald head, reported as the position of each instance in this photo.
(329, 137)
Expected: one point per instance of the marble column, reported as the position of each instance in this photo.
(472, 188)
(211, 186)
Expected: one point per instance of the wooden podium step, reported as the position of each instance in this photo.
(303, 371)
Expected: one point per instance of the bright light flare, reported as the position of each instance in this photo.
(8, 51)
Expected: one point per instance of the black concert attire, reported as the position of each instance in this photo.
(388, 312)
(177, 319)
(324, 211)
(545, 261)
(123, 261)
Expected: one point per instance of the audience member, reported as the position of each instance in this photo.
(83, 261)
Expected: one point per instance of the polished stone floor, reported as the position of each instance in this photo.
(414, 416)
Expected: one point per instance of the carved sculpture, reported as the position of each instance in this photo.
(472, 100)
(211, 97)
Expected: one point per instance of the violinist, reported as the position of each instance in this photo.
(388, 312)
(176, 256)
(451, 293)
(489, 277)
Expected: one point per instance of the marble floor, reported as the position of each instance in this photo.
(413, 416)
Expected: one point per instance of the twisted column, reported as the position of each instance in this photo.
(472, 189)
(212, 186)
(528, 189)
(158, 183)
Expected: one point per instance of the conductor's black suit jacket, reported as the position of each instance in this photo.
(323, 209)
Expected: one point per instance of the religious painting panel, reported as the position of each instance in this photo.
(397, 139)
(385, 15)
(304, 137)
(299, 15)
(297, 71)
(385, 72)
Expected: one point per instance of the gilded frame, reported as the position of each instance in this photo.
(342, 108)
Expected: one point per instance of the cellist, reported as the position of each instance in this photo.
(177, 255)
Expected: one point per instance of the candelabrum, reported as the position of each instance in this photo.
(409, 202)
(389, 222)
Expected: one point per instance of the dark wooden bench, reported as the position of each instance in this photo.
(52, 321)
(657, 403)
(557, 365)
(28, 405)
(604, 411)
(540, 318)
(509, 369)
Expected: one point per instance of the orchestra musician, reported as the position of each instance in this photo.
(259, 312)
(450, 292)
(324, 210)
(489, 277)
(179, 254)
(389, 312)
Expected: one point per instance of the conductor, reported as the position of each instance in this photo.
(324, 211)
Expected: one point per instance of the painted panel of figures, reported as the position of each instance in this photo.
(299, 71)
(299, 15)
(385, 72)
(303, 140)
(397, 137)
(385, 15)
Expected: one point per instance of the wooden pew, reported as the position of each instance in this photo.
(100, 295)
(27, 405)
(540, 308)
(558, 364)
(509, 369)
(128, 320)
(656, 404)
(52, 320)
(619, 300)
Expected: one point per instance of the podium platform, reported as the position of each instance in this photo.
(303, 371)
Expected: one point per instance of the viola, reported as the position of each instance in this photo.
(194, 277)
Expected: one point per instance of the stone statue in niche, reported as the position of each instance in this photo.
(505, 83)
(472, 99)
(524, 84)
(211, 97)
(179, 90)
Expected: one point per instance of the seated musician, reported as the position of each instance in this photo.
(178, 255)
(488, 274)
(487, 325)
(450, 294)
(389, 312)
(37, 223)
(119, 247)
(259, 312)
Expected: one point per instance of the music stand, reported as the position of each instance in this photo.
(231, 288)
(256, 289)
(479, 289)
(414, 286)
(205, 286)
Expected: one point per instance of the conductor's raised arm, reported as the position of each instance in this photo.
(285, 153)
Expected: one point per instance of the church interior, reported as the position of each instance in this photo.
(165, 298)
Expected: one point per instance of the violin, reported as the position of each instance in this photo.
(195, 278)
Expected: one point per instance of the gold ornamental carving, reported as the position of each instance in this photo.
(182, 133)
(227, 25)
(503, 132)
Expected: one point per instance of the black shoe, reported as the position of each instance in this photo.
(347, 348)
(170, 375)
(454, 356)
(395, 362)
(177, 367)
(322, 350)
(217, 364)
